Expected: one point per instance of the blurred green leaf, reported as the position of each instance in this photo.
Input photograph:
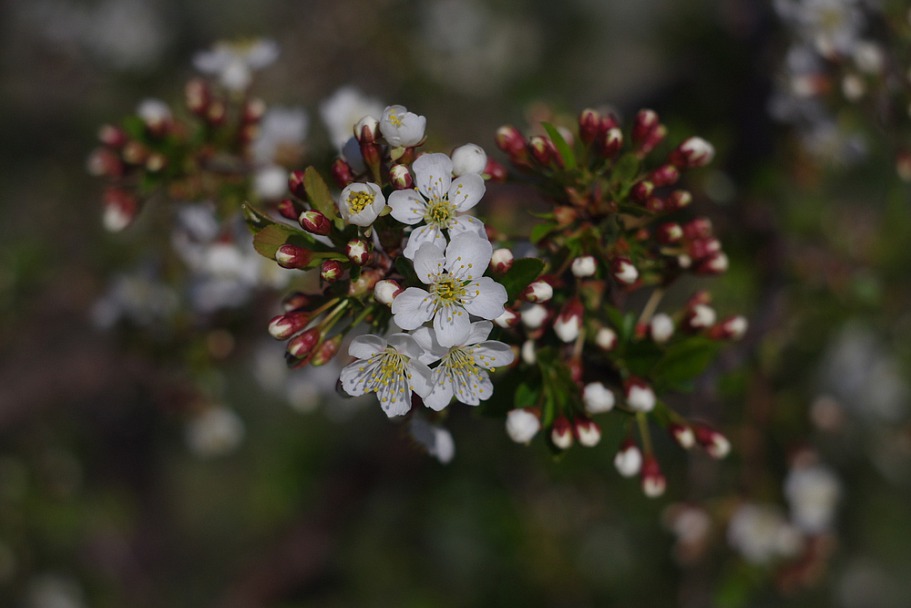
(517, 278)
(563, 148)
(318, 193)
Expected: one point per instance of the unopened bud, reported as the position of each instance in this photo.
(533, 316)
(692, 153)
(665, 175)
(645, 122)
(522, 425)
(565, 216)
(584, 266)
(315, 222)
(678, 199)
(597, 398)
(358, 251)
(510, 140)
(385, 291)
(683, 435)
(698, 228)
(641, 191)
(292, 256)
(507, 319)
(653, 481)
(197, 96)
(288, 209)
(326, 351)
(716, 263)
(661, 328)
(112, 136)
(628, 460)
(134, 153)
(216, 113)
(366, 130)
(732, 328)
(611, 142)
(120, 209)
(606, 339)
(501, 260)
(342, 173)
(669, 233)
(102, 162)
(587, 432)
(561, 433)
(538, 291)
(156, 162)
(295, 301)
(624, 271)
(331, 271)
(589, 125)
(468, 159)
(400, 177)
(296, 184)
(542, 150)
(639, 395)
(495, 171)
(284, 326)
(714, 443)
(156, 115)
(568, 323)
(302, 346)
(528, 353)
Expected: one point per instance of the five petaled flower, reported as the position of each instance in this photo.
(456, 289)
(435, 201)
(402, 128)
(361, 203)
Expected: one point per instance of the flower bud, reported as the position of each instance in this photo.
(639, 395)
(584, 266)
(568, 323)
(510, 140)
(587, 432)
(611, 142)
(714, 443)
(645, 122)
(112, 136)
(565, 216)
(699, 317)
(628, 460)
(134, 153)
(292, 256)
(623, 270)
(606, 339)
(302, 345)
(326, 351)
(385, 291)
(542, 150)
(732, 328)
(156, 115)
(197, 96)
(522, 425)
(561, 433)
(716, 263)
(358, 251)
(102, 162)
(366, 282)
(641, 191)
(120, 209)
(331, 271)
(597, 398)
(366, 130)
(501, 260)
(254, 110)
(284, 326)
(538, 291)
(692, 153)
(683, 435)
(533, 316)
(669, 233)
(288, 209)
(296, 184)
(216, 113)
(494, 171)
(468, 159)
(315, 222)
(400, 177)
(528, 353)
(698, 228)
(589, 125)
(665, 175)
(678, 200)
(295, 301)
(653, 481)
(342, 172)
(507, 319)
(661, 328)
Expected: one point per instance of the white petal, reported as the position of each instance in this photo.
(406, 345)
(441, 395)
(424, 234)
(394, 400)
(420, 379)
(493, 354)
(412, 308)
(408, 206)
(475, 389)
(428, 261)
(433, 175)
(486, 298)
(479, 332)
(466, 224)
(468, 256)
(356, 377)
(364, 347)
(427, 340)
(466, 191)
(451, 325)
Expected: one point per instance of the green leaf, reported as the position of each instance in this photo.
(563, 148)
(684, 361)
(625, 170)
(517, 278)
(540, 231)
(318, 193)
(256, 219)
(269, 238)
(526, 396)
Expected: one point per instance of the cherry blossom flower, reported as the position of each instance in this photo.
(402, 128)
(234, 62)
(456, 289)
(435, 439)
(462, 371)
(389, 367)
(436, 201)
(361, 203)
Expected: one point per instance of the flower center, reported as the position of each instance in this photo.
(461, 360)
(392, 366)
(448, 289)
(439, 212)
(394, 120)
(358, 201)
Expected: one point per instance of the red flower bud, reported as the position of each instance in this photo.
(400, 177)
(494, 171)
(358, 251)
(587, 432)
(331, 270)
(284, 326)
(288, 209)
(714, 443)
(679, 199)
(296, 184)
(342, 173)
(295, 301)
(669, 233)
(693, 152)
(561, 433)
(653, 481)
(665, 175)
(302, 346)
(112, 136)
(326, 351)
(589, 125)
(641, 191)
(611, 142)
(292, 256)
(198, 97)
(315, 222)
(510, 140)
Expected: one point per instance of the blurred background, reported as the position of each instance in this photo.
(117, 488)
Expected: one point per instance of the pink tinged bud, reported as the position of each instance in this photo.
(533, 316)
(315, 222)
(716, 263)
(665, 175)
(669, 233)
(292, 256)
(584, 266)
(683, 435)
(284, 326)
(528, 353)
(699, 317)
(134, 153)
(494, 171)
(331, 271)
(678, 200)
(589, 125)
(372, 154)
(568, 323)
(538, 291)
(597, 398)
(288, 209)
(400, 177)
(645, 122)
(366, 129)
(522, 425)
(692, 153)
(501, 260)
(358, 251)
(385, 291)
(606, 339)
(561, 433)
(104, 163)
(296, 184)
(510, 140)
(587, 432)
(628, 460)
(197, 96)
(302, 346)
(661, 328)
(576, 369)
(611, 142)
(624, 271)
(468, 159)
(732, 328)
(326, 351)
(120, 209)
(254, 110)
(641, 191)
(639, 395)
(653, 481)
(542, 150)
(342, 173)
(699, 228)
(112, 136)
(216, 113)
(714, 443)
(507, 319)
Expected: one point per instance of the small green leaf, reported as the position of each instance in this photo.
(517, 278)
(256, 219)
(684, 361)
(318, 193)
(540, 231)
(563, 148)
(526, 396)
(269, 238)
(625, 170)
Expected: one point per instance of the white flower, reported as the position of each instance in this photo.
(402, 128)
(154, 112)
(343, 110)
(281, 130)
(390, 367)
(234, 62)
(433, 438)
(462, 371)
(436, 201)
(522, 425)
(271, 182)
(761, 534)
(812, 492)
(457, 289)
(597, 398)
(661, 327)
(361, 203)
(469, 158)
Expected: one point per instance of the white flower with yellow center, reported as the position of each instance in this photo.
(436, 201)
(401, 128)
(455, 289)
(389, 367)
(234, 62)
(462, 372)
(361, 203)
